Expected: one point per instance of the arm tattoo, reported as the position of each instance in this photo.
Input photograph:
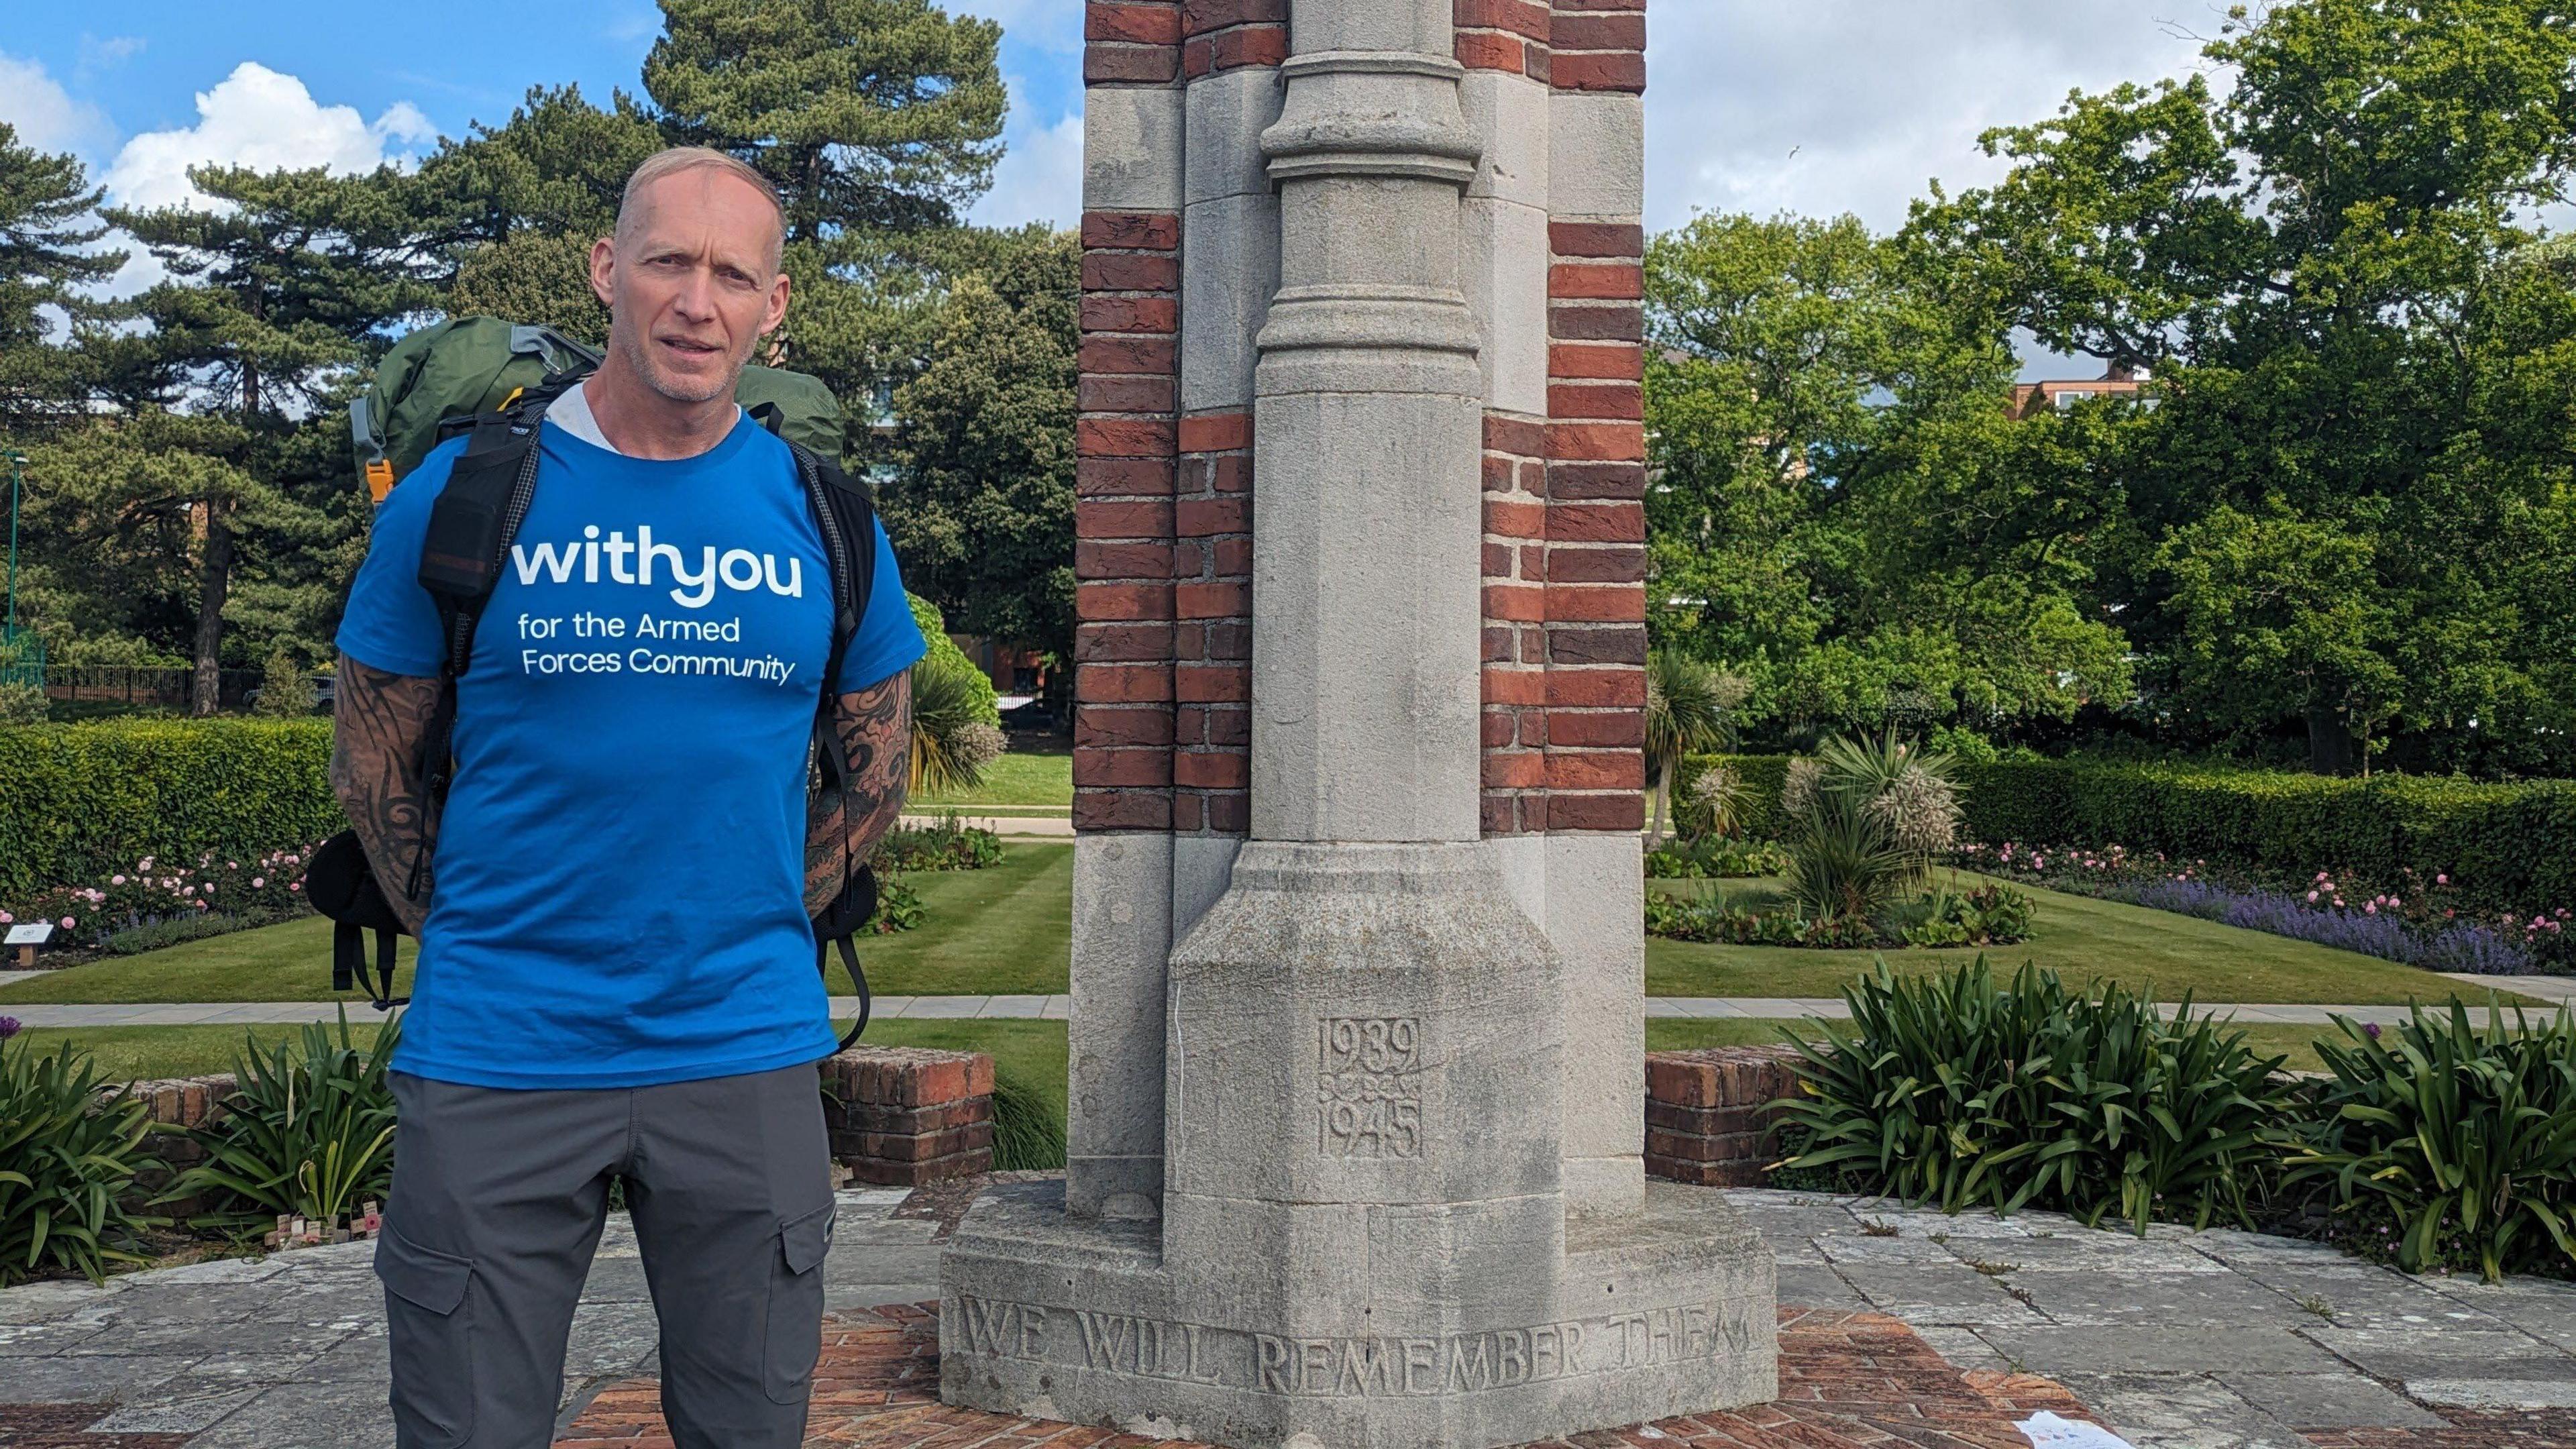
(379, 731)
(874, 727)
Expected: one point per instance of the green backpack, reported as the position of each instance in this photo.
(440, 377)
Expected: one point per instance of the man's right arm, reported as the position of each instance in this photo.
(379, 737)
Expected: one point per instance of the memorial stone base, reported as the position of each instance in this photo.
(1363, 1242)
(1667, 1311)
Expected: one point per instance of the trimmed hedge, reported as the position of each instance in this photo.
(2505, 847)
(79, 802)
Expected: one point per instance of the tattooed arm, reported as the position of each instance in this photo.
(379, 732)
(875, 729)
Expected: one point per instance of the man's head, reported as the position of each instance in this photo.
(690, 277)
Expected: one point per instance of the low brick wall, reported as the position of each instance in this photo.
(178, 1102)
(1704, 1119)
(910, 1115)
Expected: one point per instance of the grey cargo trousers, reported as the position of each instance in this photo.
(497, 1204)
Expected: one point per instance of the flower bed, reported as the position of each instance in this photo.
(2417, 921)
(1994, 915)
(156, 894)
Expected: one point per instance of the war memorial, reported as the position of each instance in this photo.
(1357, 1001)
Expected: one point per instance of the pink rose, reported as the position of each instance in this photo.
(67, 923)
(116, 880)
(2312, 898)
(2441, 880)
(258, 882)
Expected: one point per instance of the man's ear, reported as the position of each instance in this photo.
(603, 270)
(777, 309)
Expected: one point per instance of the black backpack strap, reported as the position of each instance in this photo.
(349, 964)
(846, 516)
(471, 527)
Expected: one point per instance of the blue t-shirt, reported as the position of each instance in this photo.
(620, 869)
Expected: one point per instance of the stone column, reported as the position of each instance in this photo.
(1357, 1025)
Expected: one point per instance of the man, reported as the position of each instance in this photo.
(616, 973)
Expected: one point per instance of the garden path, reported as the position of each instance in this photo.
(1054, 1008)
(2178, 1340)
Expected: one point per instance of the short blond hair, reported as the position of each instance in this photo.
(673, 160)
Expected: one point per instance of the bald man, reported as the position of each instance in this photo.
(616, 972)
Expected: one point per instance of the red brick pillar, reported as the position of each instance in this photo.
(1706, 1121)
(903, 1116)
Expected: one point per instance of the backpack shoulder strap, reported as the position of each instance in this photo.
(846, 516)
(470, 530)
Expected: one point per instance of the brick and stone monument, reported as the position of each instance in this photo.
(1357, 1024)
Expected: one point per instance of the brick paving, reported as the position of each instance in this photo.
(1906, 1330)
(1847, 1380)
(66, 1426)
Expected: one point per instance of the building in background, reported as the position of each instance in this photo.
(2121, 381)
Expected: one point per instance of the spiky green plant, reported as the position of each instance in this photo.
(952, 742)
(2465, 1134)
(70, 1145)
(1959, 1092)
(1028, 1126)
(1866, 819)
(308, 1130)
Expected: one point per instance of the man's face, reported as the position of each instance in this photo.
(691, 282)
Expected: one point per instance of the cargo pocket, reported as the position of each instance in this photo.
(795, 1330)
(430, 1326)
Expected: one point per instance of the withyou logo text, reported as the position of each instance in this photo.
(632, 561)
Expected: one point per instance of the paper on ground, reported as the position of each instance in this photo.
(2045, 1430)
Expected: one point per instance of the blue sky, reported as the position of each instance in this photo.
(1813, 106)
(132, 69)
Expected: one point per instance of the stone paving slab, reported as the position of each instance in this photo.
(2179, 1340)
(1055, 1007)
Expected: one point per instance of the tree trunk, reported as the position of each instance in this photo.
(2329, 742)
(214, 583)
(1663, 790)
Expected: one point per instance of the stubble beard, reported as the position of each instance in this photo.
(638, 352)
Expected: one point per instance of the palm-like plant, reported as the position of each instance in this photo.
(952, 741)
(1867, 817)
(1690, 709)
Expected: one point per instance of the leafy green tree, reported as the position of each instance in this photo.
(980, 500)
(1844, 512)
(2329, 267)
(48, 261)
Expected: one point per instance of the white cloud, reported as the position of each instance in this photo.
(259, 118)
(255, 117)
(45, 115)
(1040, 178)
(1851, 105)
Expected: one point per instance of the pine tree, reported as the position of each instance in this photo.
(868, 115)
(879, 121)
(271, 303)
(47, 223)
(509, 212)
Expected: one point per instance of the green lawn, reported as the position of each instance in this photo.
(1006, 929)
(1035, 782)
(1031, 1050)
(2078, 937)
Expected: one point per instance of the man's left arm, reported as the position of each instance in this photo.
(874, 726)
